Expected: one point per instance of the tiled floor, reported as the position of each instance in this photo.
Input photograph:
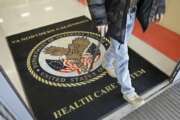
(34, 14)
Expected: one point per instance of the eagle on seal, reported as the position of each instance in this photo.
(78, 55)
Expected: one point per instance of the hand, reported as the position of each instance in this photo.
(102, 29)
(157, 18)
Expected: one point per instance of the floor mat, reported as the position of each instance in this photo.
(163, 107)
(53, 63)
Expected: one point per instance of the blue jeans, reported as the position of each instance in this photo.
(117, 58)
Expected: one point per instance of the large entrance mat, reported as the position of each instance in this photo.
(54, 61)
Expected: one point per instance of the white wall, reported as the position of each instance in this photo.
(172, 16)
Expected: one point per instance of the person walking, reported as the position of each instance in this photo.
(115, 19)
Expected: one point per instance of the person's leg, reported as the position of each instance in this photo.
(108, 59)
(109, 56)
(117, 58)
(122, 59)
(121, 66)
(122, 71)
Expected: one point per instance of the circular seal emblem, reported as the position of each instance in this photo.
(69, 59)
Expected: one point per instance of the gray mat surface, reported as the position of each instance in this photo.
(166, 106)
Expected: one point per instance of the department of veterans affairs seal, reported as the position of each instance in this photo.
(64, 60)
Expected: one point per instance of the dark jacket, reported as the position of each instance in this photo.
(114, 13)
